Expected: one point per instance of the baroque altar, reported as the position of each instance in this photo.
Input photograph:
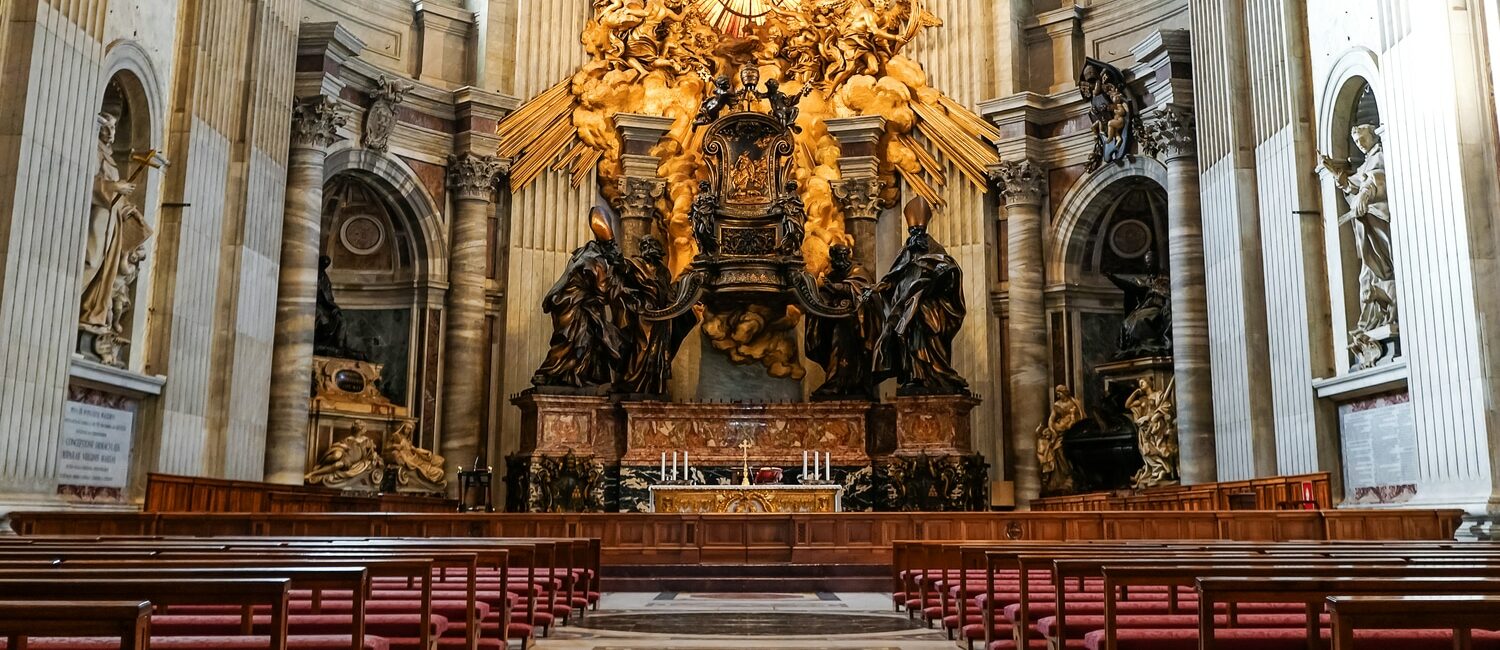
(600, 419)
(745, 499)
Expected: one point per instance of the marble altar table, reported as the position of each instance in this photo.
(742, 499)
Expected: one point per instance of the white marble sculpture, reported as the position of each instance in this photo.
(1369, 217)
(117, 236)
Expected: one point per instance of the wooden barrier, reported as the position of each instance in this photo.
(848, 538)
(1274, 493)
(169, 493)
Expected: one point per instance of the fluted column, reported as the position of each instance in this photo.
(860, 200)
(1170, 138)
(1022, 184)
(315, 123)
(472, 181)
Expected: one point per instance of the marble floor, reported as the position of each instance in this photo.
(709, 621)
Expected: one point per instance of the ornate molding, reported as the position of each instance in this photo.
(472, 177)
(316, 121)
(638, 196)
(1021, 182)
(1170, 133)
(380, 119)
(860, 197)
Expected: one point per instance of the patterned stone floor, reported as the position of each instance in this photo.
(709, 621)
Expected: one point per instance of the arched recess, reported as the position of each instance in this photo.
(388, 243)
(400, 184)
(1084, 207)
(131, 90)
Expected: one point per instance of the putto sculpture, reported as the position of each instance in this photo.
(924, 303)
(1116, 123)
(1369, 217)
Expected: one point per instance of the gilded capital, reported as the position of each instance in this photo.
(638, 196)
(316, 121)
(1021, 182)
(860, 197)
(1170, 132)
(473, 177)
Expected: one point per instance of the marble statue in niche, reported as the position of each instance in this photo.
(1067, 412)
(843, 346)
(586, 343)
(1147, 330)
(116, 246)
(353, 463)
(924, 303)
(380, 119)
(416, 469)
(1154, 412)
(1369, 217)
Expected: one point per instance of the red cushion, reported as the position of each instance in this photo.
(319, 642)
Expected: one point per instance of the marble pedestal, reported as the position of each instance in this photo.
(934, 425)
(569, 456)
(933, 467)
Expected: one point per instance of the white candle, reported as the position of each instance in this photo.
(664, 466)
(804, 464)
(687, 468)
(815, 466)
(827, 466)
(674, 465)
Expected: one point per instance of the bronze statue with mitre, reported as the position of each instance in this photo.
(924, 309)
(586, 343)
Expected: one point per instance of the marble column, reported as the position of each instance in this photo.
(640, 183)
(472, 181)
(1023, 186)
(1170, 138)
(315, 123)
(860, 186)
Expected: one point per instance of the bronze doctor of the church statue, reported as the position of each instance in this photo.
(924, 302)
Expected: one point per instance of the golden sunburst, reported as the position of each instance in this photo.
(736, 18)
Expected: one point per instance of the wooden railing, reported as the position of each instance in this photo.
(847, 537)
(1300, 492)
(189, 494)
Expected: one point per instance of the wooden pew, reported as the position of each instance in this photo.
(130, 620)
(1461, 613)
(242, 592)
(1315, 591)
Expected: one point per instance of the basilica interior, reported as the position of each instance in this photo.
(628, 324)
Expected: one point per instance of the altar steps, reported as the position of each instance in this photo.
(748, 578)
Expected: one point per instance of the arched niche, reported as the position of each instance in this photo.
(118, 250)
(1108, 222)
(1352, 96)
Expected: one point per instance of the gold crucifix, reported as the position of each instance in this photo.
(745, 450)
(152, 159)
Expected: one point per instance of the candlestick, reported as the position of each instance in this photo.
(804, 464)
(827, 466)
(674, 465)
(687, 468)
(815, 474)
(664, 466)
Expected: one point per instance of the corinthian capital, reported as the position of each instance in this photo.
(1021, 182)
(1170, 132)
(316, 121)
(638, 196)
(860, 197)
(473, 177)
